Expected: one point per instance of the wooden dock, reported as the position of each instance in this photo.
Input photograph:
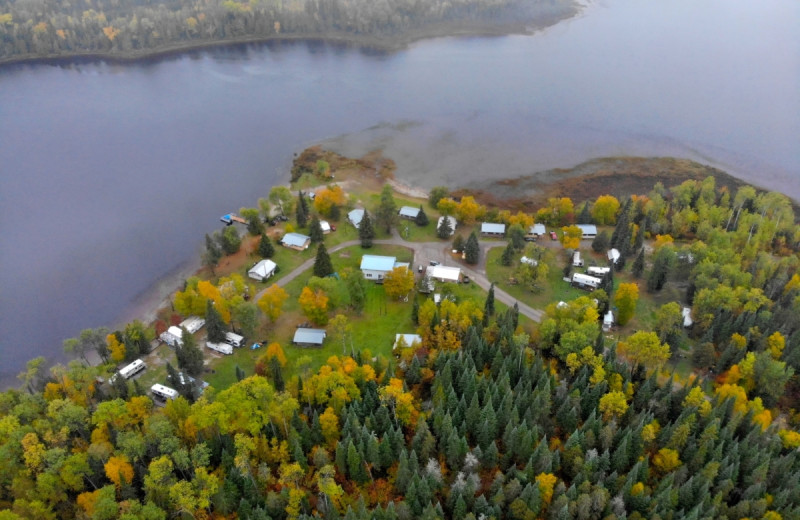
(230, 218)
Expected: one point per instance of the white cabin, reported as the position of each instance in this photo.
(262, 270)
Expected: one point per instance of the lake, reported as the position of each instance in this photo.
(111, 174)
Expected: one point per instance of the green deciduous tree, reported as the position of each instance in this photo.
(229, 240)
(436, 194)
(253, 217)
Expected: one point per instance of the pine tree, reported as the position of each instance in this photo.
(386, 214)
(365, 231)
(422, 217)
(445, 229)
(638, 264)
(472, 250)
(215, 327)
(458, 244)
(601, 242)
(508, 255)
(415, 312)
(585, 216)
(315, 231)
(301, 212)
(190, 357)
(212, 254)
(276, 374)
(265, 247)
(488, 307)
(322, 264)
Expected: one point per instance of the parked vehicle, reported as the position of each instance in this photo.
(553, 235)
(465, 279)
(434, 262)
(419, 268)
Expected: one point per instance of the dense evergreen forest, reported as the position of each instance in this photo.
(482, 419)
(37, 28)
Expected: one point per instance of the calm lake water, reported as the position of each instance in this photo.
(111, 174)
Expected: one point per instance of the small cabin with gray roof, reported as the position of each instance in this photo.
(535, 231)
(355, 217)
(296, 241)
(490, 229)
(309, 337)
(375, 267)
(408, 212)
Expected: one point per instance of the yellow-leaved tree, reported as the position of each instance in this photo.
(398, 282)
(314, 305)
(571, 237)
(271, 303)
(625, 299)
(605, 210)
(644, 348)
(118, 469)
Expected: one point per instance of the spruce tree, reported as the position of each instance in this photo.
(638, 264)
(472, 250)
(445, 229)
(212, 254)
(315, 230)
(488, 307)
(601, 242)
(215, 327)
(365, 231)
(190, 357)
(301, 212)
(386, 214)
(422, 217)
(415, 312)
(265, 247)
(322, 264)
(585, 216)
(508, 255)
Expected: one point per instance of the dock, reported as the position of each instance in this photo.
(230, 218)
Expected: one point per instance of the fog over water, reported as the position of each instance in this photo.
(111, 174)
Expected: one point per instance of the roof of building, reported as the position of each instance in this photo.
(453, 221)
(402, 264)
(325, 225)
(355, 216)
(409, 211)
(588, 229)
(377, 263)
(443, 272)
(491, 227)
(613, 255)
(409, 339)
(263, 269)
(175, 332)
(311, 336)
(537, 229)
(295, 239)
(609, 318)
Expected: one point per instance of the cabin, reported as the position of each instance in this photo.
(599, 272)
(296, 241)
(529, 261)
(613, 256)
(309, 337)
(408, 340)
(535, 231)
(588, 231)
(577, 261)
(443, 273)
(356, 216)
(608, 321)
(452, 220)
(490, 229)
(375, 267)
(262, 270)
(408, 212)
(586, 282)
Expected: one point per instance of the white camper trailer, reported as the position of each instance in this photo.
(163, 392)
(222, 348)
(234, 340)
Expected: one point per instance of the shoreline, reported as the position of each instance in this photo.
(376, 43)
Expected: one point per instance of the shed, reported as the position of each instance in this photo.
(408, 339)
(613, 255)
(262, 270)
(452, 220)
(355, 216)
(375, 267)
(535, 231)
(444, 273)
(325, 226)
(583, 281)
(304, 336)
(296, 241)
(409, 212)
(588, 230)
(490, 229)
(687, 316)
(608, 321)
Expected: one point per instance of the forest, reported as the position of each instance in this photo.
(484, 418)
(31, 29)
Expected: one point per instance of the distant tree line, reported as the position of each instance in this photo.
(30, 29)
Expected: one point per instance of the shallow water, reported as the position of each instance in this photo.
(111, 174)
